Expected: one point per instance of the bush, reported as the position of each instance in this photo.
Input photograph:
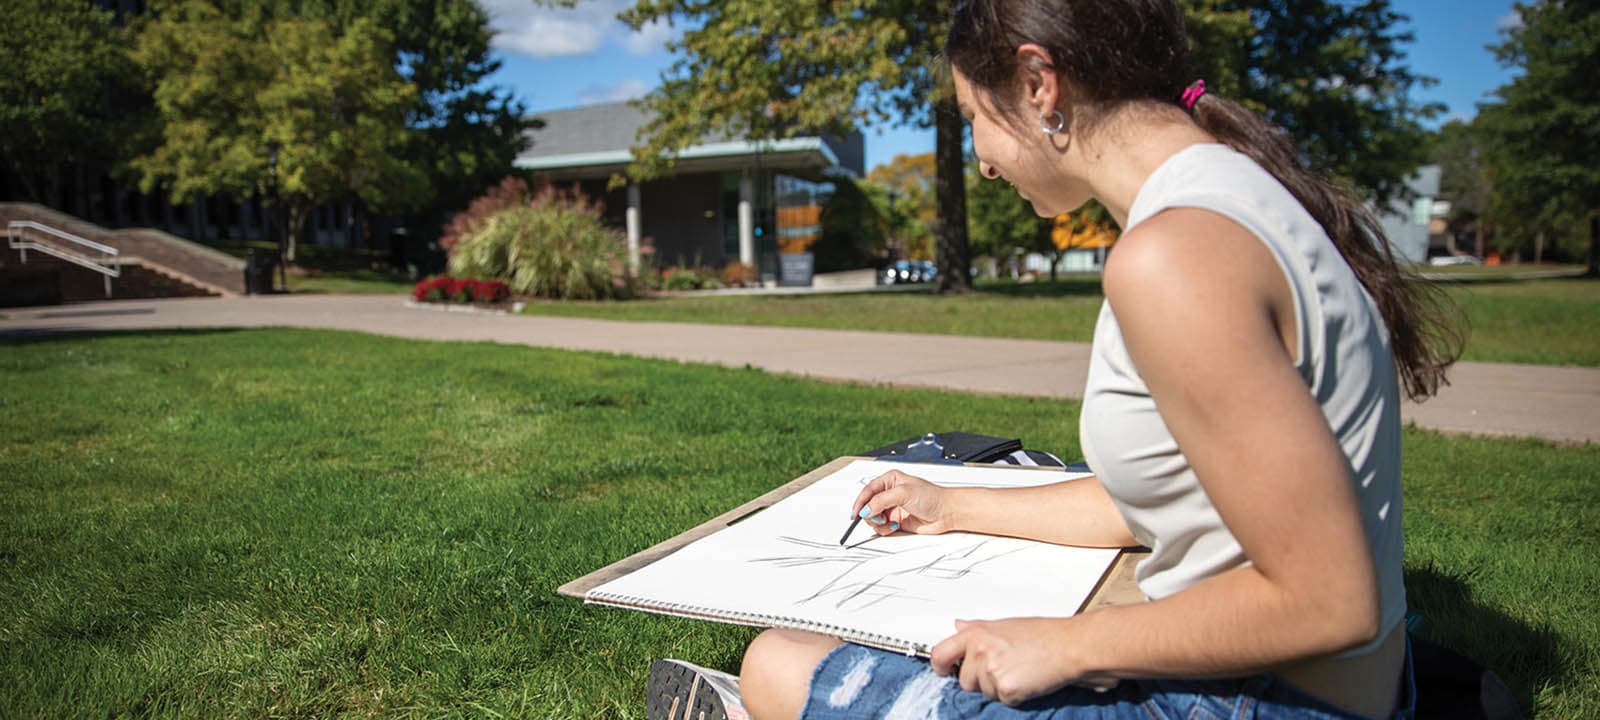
(444, 288)
(738, 274)
(555, 247)
(684, 278)
(511, 192)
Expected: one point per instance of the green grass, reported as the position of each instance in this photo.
(1064, 310)
(306, 523)
(360, 281)
(1544, 322)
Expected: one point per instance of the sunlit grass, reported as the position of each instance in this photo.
(306, 523)
(1545, 322)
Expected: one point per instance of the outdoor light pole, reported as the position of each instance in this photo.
(894, 249)
(276, 215)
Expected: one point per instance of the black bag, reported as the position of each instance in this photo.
(949, 447)
(1451, 686)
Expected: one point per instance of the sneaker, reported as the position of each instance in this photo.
(678, 690)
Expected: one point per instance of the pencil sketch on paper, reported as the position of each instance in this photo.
(871, 576)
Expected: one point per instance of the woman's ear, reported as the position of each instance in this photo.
(1041, 86)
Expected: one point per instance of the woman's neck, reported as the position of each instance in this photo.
(1123, 156)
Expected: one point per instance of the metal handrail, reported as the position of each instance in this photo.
(106, 265)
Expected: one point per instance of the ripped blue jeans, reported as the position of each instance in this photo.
(859, 682)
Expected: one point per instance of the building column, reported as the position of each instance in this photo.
(747, 238)
(634, 230)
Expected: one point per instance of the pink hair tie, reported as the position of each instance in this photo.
(1191, 94)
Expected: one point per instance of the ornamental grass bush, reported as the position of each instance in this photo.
(555, 246)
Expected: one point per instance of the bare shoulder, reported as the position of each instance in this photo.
(1189, 255)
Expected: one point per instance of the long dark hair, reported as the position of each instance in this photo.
(1113, 53)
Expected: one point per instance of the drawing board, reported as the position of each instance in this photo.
(784, 567)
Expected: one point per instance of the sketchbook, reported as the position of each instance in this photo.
(784, 567)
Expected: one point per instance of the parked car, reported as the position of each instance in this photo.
(1443, 260)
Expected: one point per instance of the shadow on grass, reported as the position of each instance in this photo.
(34, 336)
(1524, 657)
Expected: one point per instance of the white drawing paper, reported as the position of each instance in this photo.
(784, 567)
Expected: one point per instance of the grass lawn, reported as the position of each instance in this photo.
(307, 523)
(359, 281)
(1545, 322)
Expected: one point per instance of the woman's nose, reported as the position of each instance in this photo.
(988, 170)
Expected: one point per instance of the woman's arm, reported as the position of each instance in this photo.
(1074, 512)
(1208, 319)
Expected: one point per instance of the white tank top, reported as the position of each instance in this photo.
(1342, 348)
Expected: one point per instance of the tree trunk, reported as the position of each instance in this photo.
(25, 175)
(1538, 248)
(1594, 246)
(1478, 241)
(954, 255)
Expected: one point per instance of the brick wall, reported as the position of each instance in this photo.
(78, 284)
(160, 252)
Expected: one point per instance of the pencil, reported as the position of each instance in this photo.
(853, 523)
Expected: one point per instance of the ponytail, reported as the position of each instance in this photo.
(1425, 325)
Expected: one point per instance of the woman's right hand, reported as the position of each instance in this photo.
(898, 501)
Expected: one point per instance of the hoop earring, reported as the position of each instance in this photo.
(1059, 123)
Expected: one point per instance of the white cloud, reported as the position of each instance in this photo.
(625, 90)
(1509, 21)
(544, 32)
(651, 38)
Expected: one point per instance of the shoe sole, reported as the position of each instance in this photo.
(675, 692)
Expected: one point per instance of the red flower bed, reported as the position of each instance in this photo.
(443, 288)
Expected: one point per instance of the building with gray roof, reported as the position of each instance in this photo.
(728, 198)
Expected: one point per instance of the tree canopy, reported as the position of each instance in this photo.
(1331, 72)
(907, 183)
(1542, 129)
(60, 55)
(765, 70)
(260, 101)
(464, 136)
(1463, 181)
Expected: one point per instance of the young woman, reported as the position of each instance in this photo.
(1241, 413)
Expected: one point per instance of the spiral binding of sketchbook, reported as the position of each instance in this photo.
(760, 620)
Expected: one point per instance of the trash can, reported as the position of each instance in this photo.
(258, 268)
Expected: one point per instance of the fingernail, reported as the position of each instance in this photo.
(894, 526)
(876, 520)
(865, 511)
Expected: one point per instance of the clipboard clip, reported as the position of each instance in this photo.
(927, 451)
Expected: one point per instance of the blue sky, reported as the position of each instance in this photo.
(555, 58)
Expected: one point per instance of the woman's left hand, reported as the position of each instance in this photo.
(1012, 660)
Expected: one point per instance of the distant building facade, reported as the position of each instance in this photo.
(1406, 221)
(727, 200)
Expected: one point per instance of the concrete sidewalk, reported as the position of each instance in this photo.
(1561, 404)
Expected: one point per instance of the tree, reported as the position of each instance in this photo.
(1462, 181)
(855, 226)
(907, 183)
(258, 101)
(1331, 73)
(1085, 227)
(1542, 130)
(1000, 222)
(464, 137)
(60, 56)
(765, 70)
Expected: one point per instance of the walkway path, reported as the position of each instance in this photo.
(1560, 404)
